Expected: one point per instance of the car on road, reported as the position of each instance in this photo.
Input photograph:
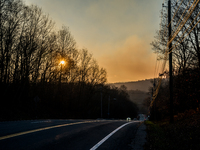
(128, 119)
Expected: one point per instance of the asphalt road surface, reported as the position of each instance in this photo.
(67, 134)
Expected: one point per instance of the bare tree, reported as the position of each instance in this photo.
(9, 26)
(97, 75)
(185, 48)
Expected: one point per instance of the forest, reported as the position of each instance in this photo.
(186, 61)
(44, 75)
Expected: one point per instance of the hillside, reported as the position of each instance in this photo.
(141, 85)
(138, 97)
(137, 91)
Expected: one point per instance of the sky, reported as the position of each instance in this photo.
(117, 32)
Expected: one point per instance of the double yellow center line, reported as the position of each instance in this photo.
(42, 129)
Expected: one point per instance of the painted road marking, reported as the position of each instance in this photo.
(108, 136)
(42, 129)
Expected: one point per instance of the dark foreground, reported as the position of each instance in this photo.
(66, 134)
(183, 134)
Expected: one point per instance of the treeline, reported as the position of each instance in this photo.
(33, 81)
(186, 63)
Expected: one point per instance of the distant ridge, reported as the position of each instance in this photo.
(137, 91)
(142, 85)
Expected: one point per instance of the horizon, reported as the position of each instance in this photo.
(132, 81)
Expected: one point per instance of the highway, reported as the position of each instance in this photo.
(67, 134)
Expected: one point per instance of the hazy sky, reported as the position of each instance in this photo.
(117, 32)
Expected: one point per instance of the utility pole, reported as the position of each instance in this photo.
(108, 106)
(170, 64)
(101, 104)
(155, 114)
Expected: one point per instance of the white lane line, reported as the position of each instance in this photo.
(42, 129)
(109, 135)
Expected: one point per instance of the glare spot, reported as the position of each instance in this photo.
(62, 62)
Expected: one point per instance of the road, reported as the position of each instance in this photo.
(67, 134)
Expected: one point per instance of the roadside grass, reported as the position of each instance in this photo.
(156, 137)
(183, 134)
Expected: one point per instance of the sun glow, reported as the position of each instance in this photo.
(62, 62)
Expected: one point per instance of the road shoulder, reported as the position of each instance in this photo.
(140, 138)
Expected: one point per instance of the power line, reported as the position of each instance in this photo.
(184, 33)
(181, 15)
(155, 71)
(179, 19)
(160, 78)
(185, 36)
(155, 93)
(167, 51)
(175, 12)
(184, 22)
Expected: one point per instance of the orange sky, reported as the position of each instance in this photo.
(117, 32)
(131, 61)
